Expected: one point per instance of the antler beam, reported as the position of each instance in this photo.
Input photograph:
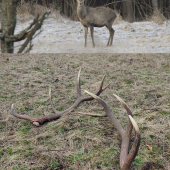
(80, 98)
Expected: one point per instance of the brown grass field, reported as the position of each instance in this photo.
(82, 142)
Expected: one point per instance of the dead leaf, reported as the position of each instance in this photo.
(11, 134)
(150, 147)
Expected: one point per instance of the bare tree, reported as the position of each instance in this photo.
(8, 24)
(155, 6)
(127, 10)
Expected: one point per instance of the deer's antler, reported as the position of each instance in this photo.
(80, 98)
(126, 158)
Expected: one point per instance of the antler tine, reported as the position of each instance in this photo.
(79, 96)
(26, 117)
(103, 82)
(20, 116)
(125, 158)
(101, 89)
(36, 121)
(124, 105)
(129, 112)
(78, 84)
(52, 104)
(134, 150)
(134, 125)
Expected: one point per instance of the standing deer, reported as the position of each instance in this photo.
(96, 17)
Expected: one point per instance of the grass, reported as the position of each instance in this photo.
(83, 142)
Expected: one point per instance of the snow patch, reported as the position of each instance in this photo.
(64, 36)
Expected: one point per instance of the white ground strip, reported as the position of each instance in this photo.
(66, 36)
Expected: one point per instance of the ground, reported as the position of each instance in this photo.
(78, 141)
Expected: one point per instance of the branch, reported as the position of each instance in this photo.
(22, 35)
(29, 48)
(32, 32)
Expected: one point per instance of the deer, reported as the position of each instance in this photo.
(126, 157)
(96, 17)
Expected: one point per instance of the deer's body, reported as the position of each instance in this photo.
(96, 17)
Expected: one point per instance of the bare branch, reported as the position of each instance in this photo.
(32, 32)
(23, 34)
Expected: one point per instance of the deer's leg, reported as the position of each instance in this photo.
(111, 31)
(111, 36)
(86, 31)
(108, 42)
(92, 30)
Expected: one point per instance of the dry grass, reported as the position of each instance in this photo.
(157, 18)
(142, 80)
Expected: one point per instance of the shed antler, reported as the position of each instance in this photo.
(80, 98)
(126, 158)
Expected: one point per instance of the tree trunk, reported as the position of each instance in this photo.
(8, 23)
(155, 6)
(127, 11)
(168, 10)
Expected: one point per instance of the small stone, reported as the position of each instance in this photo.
(36, 124)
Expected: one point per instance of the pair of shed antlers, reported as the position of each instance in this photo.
(126, 156)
